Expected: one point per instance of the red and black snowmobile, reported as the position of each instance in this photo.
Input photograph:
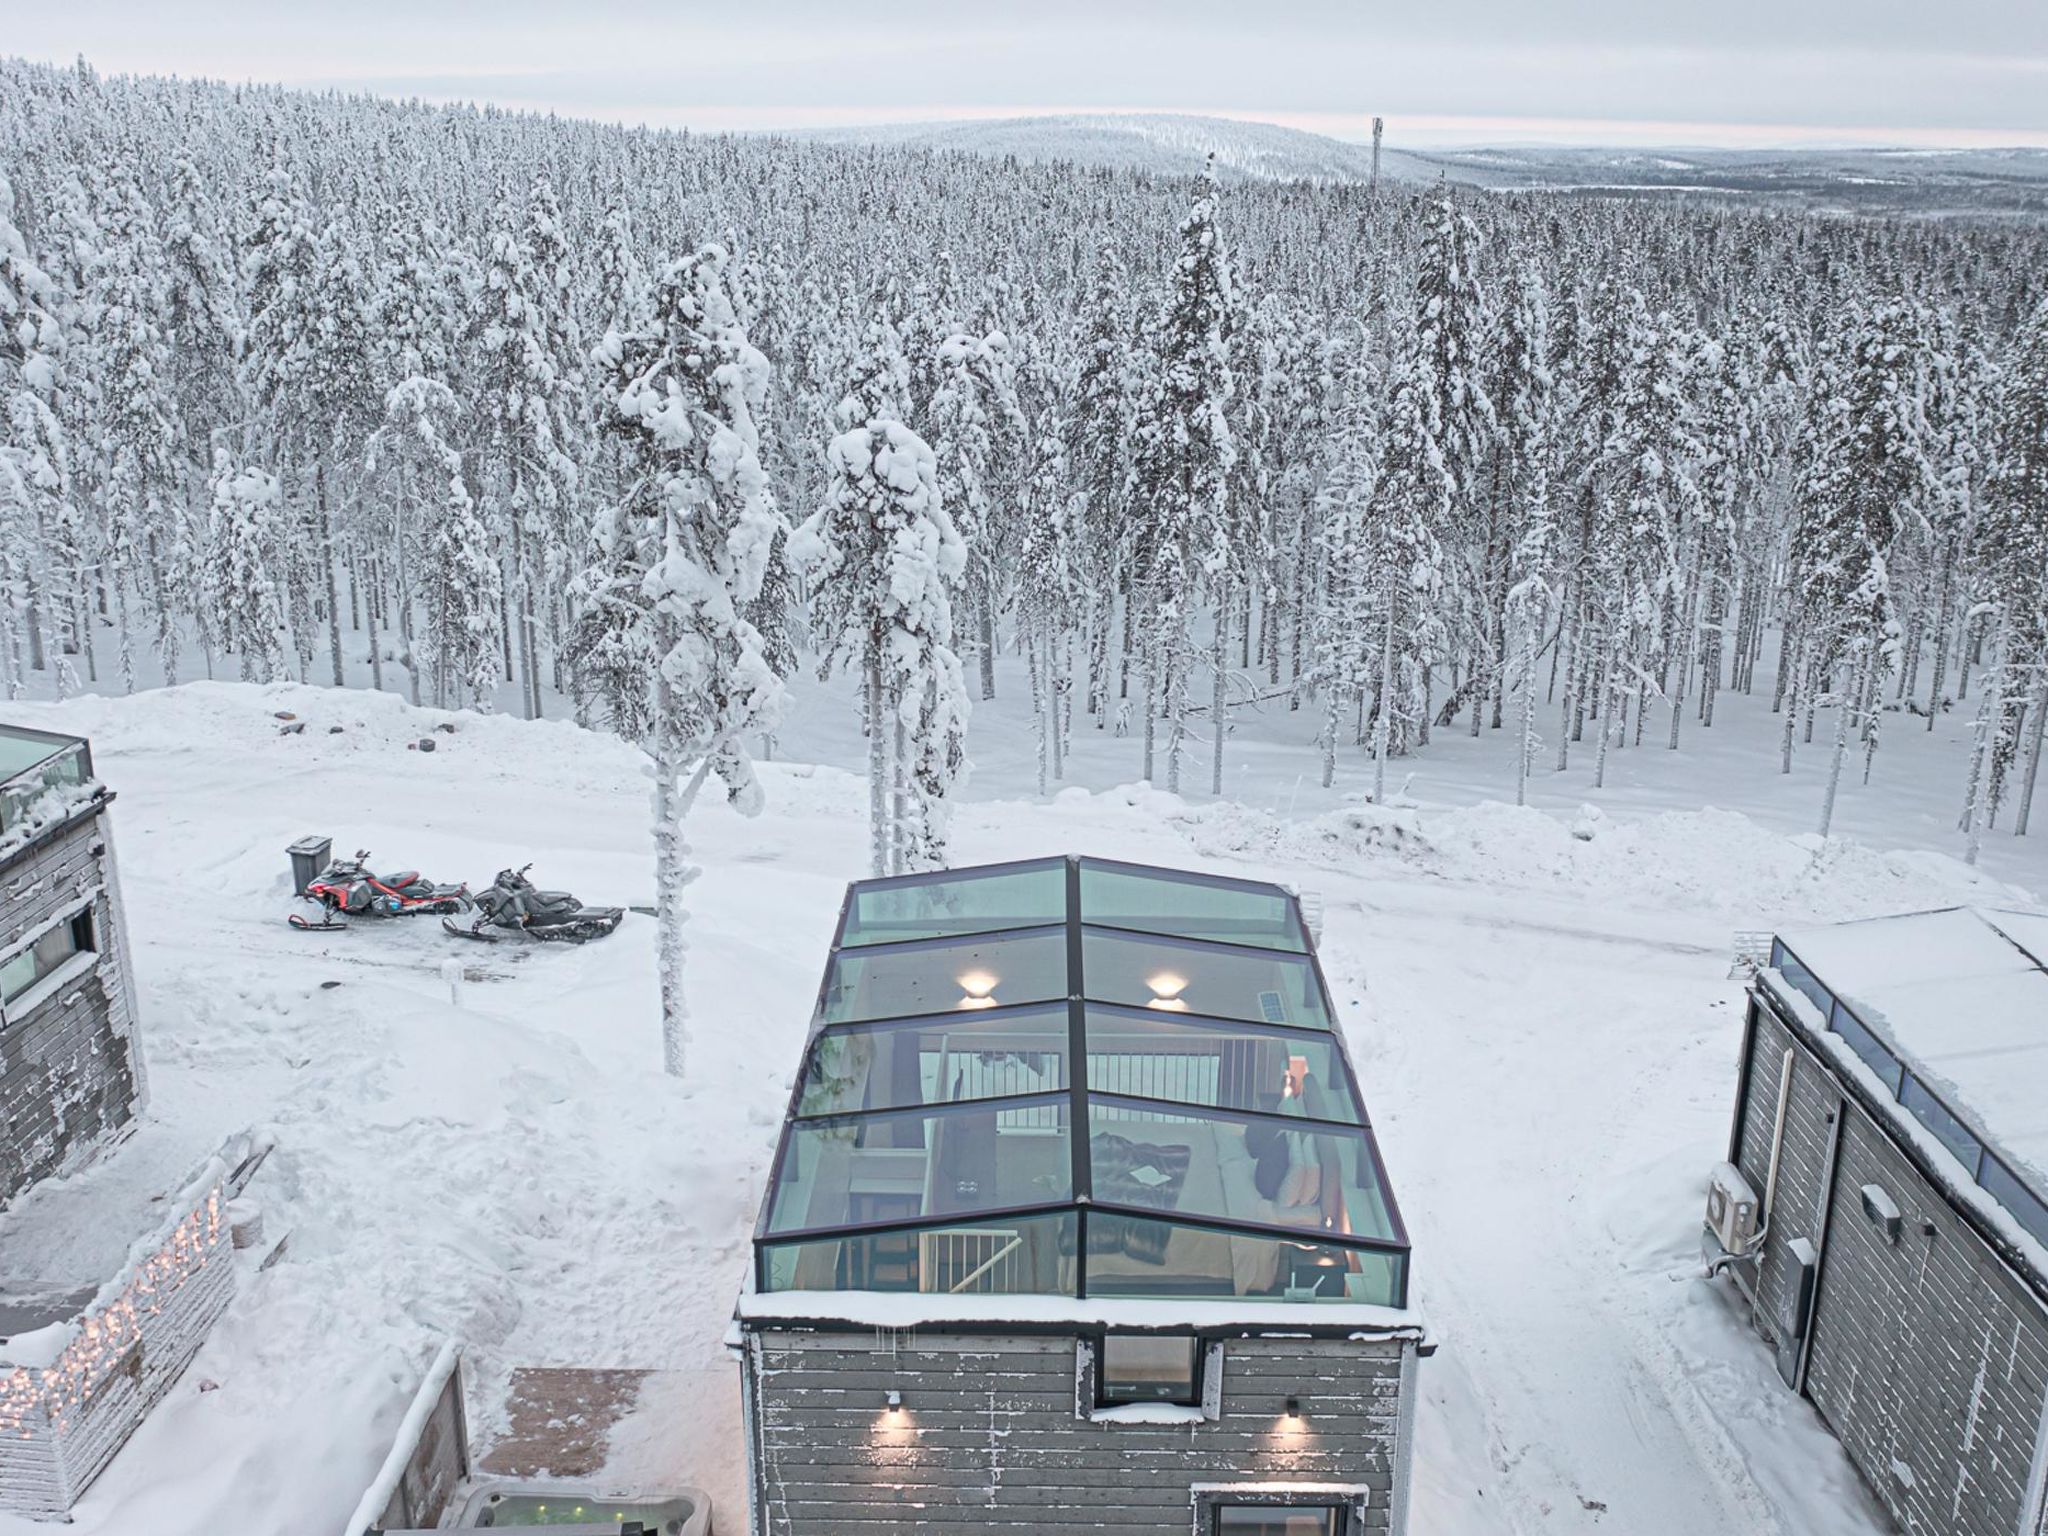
(346, 888)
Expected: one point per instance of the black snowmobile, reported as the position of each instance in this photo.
(512, 903)
(346, 888)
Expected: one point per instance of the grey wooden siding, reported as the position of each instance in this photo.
(1801, 1195)
(993, 1436)
(1929, 1354)
(67, 1072)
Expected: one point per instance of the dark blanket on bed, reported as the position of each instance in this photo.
(1111, 1161)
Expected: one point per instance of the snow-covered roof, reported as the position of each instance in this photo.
(1079, 1078)
(1949, 1010)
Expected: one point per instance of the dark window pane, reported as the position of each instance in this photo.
(1279, 1520)
(1013, 1256)
(1158, 1055)
(1149, 1368)
(36, 963)
(1174, 976)
(946, 976)
(985, 1054)
(2027, 1208)
(1143, 1257)
(1802, 980)
(1866, 1045)
(1319, 1180)
(937, 905)
(1933, 1114)
(1190, 905)
(901, 1167)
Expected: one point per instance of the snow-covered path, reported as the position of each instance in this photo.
(1543, 1025)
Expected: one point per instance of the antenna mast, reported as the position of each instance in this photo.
(1378, 124)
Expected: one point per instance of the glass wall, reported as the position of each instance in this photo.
(1319, 1178)
(1194, 1060)
(39, 763)
(1026, 1255)
(904, 1167)
(980, 1054)
(1189, 905)
(1186, 976)
(1157, 1259)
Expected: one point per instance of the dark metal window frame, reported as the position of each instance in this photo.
(1198, 1353)
(83, 927)
(1341, 1509)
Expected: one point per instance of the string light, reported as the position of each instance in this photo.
(50, 1398)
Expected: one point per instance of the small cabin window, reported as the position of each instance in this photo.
(1280, 1520)
(1149, 1368)
(32, 966)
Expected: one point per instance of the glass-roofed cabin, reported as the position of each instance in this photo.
(1109, 1102)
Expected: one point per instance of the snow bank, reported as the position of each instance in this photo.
(1708, 859)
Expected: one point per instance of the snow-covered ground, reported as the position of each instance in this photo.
(1544, 1026)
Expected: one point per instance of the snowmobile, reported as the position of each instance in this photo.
(513, 903)
(347, 888)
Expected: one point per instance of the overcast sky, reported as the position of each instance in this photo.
(1634, 71)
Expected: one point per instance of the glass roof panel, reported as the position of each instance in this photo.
(1190, 905)
(1321, 1179)
(1142, 1256)
(1188, 976)
(947, 903)
(979, 1054)
(946, 1162)
(945, 975)
(1193, 1060)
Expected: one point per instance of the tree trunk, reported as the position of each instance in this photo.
(327, 559)
(881, 831)
(1845, 707)
(1218, 724)
(2034, 736)
(1941, 623)
(985, 624)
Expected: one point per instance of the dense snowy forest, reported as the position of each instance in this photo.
(640, 423)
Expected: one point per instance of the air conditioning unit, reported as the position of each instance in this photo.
(1731, 1210)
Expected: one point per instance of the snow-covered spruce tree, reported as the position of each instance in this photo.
(458, 572)
(1647, 500)
(2014, 540)
(611, 643)
(281, 267)
(528, 391)
(202, 324)
(139, 476)
(35, 479)
(1402, 560)
(683, 393)
(343, 405)
(1869, 475)
(881, 557)
(1099, 430)
(1525, 398)
(1343, 633)
(239, 579)
(1050, 581)
(977, 433)
(1451, 327)
(1180, 470)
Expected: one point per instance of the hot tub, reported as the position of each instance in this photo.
(565, 1508)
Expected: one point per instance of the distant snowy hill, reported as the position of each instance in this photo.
(1160, 143)
(1910, 181)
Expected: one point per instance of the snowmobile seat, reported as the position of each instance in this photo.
(399, 881)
